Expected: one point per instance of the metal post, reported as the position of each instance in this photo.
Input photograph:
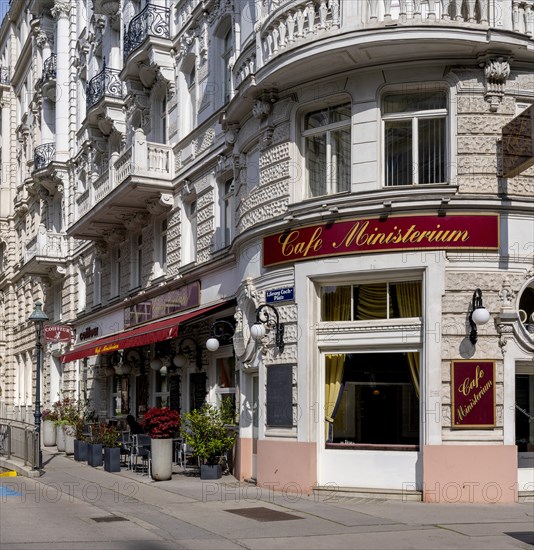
(37, 413)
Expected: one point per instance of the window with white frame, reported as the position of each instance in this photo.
(189, 232)
(415, 138)
(162, 388)
(82, 288)
(97, 282)
(371, 397)
(226, 193)
(115, 283)
(225, 385)
(57, 291)
(160, 246)
(327, 145)
(226, 55)
(137, 260)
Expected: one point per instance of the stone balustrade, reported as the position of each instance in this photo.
(46, 244)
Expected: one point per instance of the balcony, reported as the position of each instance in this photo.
(151, 21)
(5, 79)
(48, 77)
(135, 181)
(43, 155)
(105, 84)
(48, 249)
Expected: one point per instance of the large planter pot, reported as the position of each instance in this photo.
(161, 458)
(69, 439)
(94, 454)
(60, 438)
(80, 450)
(49, 433)
(112, 459)
(210, 471)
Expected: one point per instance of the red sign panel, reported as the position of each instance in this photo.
(473, 394)
(57, 333)
(393, 234)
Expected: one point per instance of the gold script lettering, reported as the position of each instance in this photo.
(468, 385)
(291, 246)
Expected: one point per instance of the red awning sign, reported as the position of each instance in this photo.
(57, 333)
(157, 331)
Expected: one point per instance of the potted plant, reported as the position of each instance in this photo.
(80, 441)
(67, 416)
(95, 446)
(205, 431)
(48, 417)
(109, 436)
(161, 424)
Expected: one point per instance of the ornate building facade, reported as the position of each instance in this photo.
(347, 175)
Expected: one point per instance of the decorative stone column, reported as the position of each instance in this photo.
(47, 110)
(61, 12)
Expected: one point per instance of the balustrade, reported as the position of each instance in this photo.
(4, 75)
(43, 155)
(151, 21)
(105, 83)
(50, 68)
(46, 244)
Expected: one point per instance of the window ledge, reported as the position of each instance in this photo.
(370, 447)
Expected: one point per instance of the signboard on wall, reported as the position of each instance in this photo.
(394, 234)
(280, 396)
(473, 394)
(174, 301)
(57, 333)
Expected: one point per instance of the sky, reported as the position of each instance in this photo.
(4, 5)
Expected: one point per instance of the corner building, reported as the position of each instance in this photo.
(349, 164)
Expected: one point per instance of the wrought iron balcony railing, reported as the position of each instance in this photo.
(105, 83)
(49, 68)
(4, 75)
(152, 21)
(43, 155)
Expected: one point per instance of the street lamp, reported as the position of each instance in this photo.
(220, 330)
(38, 317)
(479, 315)
(267, 315)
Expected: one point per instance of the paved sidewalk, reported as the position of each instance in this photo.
(74, 506)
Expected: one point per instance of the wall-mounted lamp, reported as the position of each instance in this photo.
(220, 329)
(185, 348)
(264, 316)
(479, 315)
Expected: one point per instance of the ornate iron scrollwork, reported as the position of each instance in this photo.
(105, 83)
(4, 75)
(152, 21)
(50, 68)
(43, 155)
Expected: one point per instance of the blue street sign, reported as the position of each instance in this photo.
(280, 295)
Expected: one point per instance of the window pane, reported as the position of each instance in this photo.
(373, 399)
(225, 372)
(432, 150)
(406, 300)
(327, 116)
(316, 164)
(341, 159)
(399, 161)
(370, 302)
(335, 303)
(403, 103)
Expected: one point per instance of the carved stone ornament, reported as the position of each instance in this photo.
(60, 10)
(101, 249)
(56, 273)
(506, 294)
(135, 222)
(115, 237)
(261, 108)
(496, 71)
(160, 205)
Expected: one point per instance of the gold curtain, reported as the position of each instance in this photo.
(334, 384)
(410, 304)
(336, 303)
(372, 302)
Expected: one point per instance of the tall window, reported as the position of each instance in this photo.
(97, 282)
(160, 247)
(82, 288)
(415, 131)
(3, 261)
(189, 233)
(227, 52)
(226, 207)
(58, 301)
(372, 398)
(225, 382)
(115, 287)
(327, 150)
(137, 261)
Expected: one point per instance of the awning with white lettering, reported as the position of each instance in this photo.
(156, 331)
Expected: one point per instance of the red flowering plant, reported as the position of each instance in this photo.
(161, 423)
